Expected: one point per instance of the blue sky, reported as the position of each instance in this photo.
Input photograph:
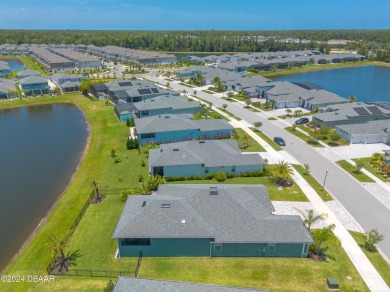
(195, 14)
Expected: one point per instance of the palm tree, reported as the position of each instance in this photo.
(352, 98)
(297, 112)
(321, 236)
(97, 198)
(199, 78)
(376, 159)
(248, 102)
(288, 112)
(58, 246)
(281, 173)
(309, 218)
(145, 187)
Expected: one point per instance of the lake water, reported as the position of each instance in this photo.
(367, 83)
(40, 148)
(14, 64)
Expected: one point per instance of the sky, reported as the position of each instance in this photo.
(195, 14)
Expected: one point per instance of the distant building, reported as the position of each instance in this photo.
(34, 85)
(7, 89)
(202, 158)
(366, 133)
(27, 73)
(4, 69)
(209, 221)
(175, 128)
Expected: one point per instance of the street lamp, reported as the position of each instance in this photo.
(323, 185)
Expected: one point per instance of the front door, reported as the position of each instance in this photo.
(158, 170)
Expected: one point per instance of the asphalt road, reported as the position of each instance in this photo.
(364, 207)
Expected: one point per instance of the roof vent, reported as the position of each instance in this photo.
(213, 191)
(144, 204)
(166, 117)
(176, 149)
(202, 142)
(183, 221)
(165, 205)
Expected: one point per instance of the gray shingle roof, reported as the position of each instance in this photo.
(168, 123)
(167, 101)
(6, 84)
(127, 284)
(211, 153)
(33, 79)
(371, 127)
(27, 73)
(238, 214)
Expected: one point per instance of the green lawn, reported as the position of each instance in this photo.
(367, 165)
(313, 183)
(272, 119)
(268, 140)
(187, 85)
(253, 146)
(106, 132)
(293, 193)
(277, 274)
(303, 137)
(375, 258)
(351, 169)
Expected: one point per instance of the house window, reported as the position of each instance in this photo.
(233, 169)
(206, 170)
(217, 246)
(135, 241)
(271, 246)
(148, 135)
(305, 248)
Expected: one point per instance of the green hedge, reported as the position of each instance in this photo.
(210, 176)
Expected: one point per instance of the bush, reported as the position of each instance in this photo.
(230, 175)
(140, 178)
(143, 163)
(219, 176)
(124, 194)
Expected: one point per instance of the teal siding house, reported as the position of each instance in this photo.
(166, 104)
(164, 129)
(202, 157)
(34, 85)
(124, 111)
(212, 221)
(4, 69)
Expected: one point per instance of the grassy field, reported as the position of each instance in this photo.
(277, 274)
(351, 169)
(367, 165)
(313, 183)
(268, 140)
(106, 132)
(253, 146)
(293, 193)
(375, 258)
(303, 137)
(277, 73)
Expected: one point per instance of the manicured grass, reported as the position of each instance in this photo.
(229, 99)
(214, 115)
(253, 146)
(272, 119)
(240, 98)
(293, 193)
(208, 91)
(28, 63)
(186, 84)
(253, 110)
(106, 132)
(313, 183)
(351, 169)
(367, 165)
(268, 140)
(308, 68)
(375, 258)
(276, 274)
(303, 137)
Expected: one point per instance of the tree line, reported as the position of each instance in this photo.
(368, 42)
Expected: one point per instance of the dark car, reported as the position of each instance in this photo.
(302, 121)
(279, 141)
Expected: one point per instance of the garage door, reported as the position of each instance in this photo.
(356, 139)
(374, 139)
(293, 104)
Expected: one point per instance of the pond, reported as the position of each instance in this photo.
(367, 83)
(41, 147)
(14, 64)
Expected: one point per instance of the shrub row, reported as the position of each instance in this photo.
(216, 176)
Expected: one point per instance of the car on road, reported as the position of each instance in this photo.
(279, 141)
(302, 121)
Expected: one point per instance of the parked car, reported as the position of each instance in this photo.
(302, 121)
(279, 141)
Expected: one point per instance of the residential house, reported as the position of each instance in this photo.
(164, 129)
(202, 157)
(7, 89)
(4, 69)
(366, 133)
(350, 113)
(34, 85)
(166, 104)
(132, 284)
(209, 221)
(125, 111)
(67, 82)
(319, 98)
(27, 73)
(284, 94)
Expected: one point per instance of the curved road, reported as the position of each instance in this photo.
(364, 207)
